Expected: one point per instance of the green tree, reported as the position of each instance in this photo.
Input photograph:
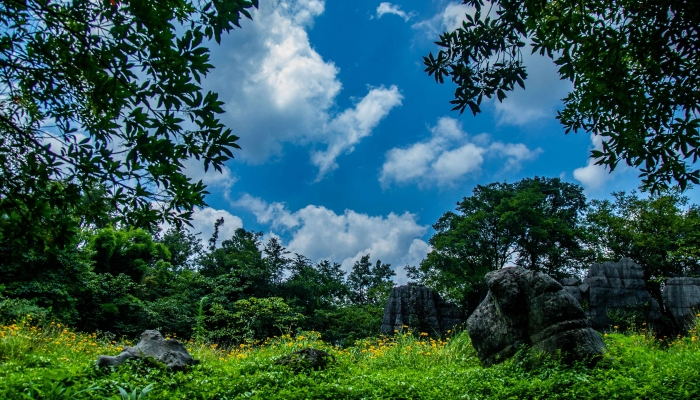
(635, 66)
(368, 284)
(534, 223)
(276, 259)
(660, 233)
(107, 93)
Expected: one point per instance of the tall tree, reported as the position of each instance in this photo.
(368, 284)
(98, 92)
(534, 223)
(635, 66)
(276, 259)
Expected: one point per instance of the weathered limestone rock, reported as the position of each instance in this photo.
(307, 358)
(682, 297)
(419, 308)
(170, 352)
(617, 289)
(572, 286)
(525, 307)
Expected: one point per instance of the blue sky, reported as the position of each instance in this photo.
(349, 148)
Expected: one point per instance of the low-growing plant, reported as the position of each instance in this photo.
(59, 363)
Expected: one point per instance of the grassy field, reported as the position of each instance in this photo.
(50, 361)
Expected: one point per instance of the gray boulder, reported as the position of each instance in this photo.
(525, 307)
(170, 352)
(617, 290)
(421, 309)
(682, 297)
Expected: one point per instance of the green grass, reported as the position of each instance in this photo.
(48, 361)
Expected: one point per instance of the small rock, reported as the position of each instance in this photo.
(170, 352)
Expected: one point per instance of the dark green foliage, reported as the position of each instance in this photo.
(370, 285)
(534, 223)
(96, 94)
(635, 67)
(660, 233)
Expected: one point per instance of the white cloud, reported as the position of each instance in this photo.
(348, 128)
(448, 156)
(388, 8)
(203, 221)
(594, 177)
(275, 214)
(541, 97)
(449, 19)
(278, 89)
(223, 180)
(320, 233)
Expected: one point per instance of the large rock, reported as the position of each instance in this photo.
(419, 308)
(525, 307)
(615, 292)
(682, 297)
(170, 352)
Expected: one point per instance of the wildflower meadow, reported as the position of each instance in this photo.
(46, 360)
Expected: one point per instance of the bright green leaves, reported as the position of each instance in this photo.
(635, 70)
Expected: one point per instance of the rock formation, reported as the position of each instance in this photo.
(170, 352)
(682, 297)
(616, 291)
(419, 308)
(526, 307)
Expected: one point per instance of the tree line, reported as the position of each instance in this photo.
(124, 280)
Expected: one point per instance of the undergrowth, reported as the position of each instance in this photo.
(50, 361)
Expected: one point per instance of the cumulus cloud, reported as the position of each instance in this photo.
(203, 221)
(448, 156)
(277, 89)
(321, 234)
(223, 180)
(592, 176)
(348, 128)
(388, 8)
(446, 20)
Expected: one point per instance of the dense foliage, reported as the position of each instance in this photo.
(635, 66)
(126, 280)
(534, 223)
(106, 95)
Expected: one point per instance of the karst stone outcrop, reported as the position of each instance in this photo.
(615, 291)
(419, 308)
(682, 297)
(526, 307)
(170, 352)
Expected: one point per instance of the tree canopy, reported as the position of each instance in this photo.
(635, 66)
(534, 223)
(108, 94)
